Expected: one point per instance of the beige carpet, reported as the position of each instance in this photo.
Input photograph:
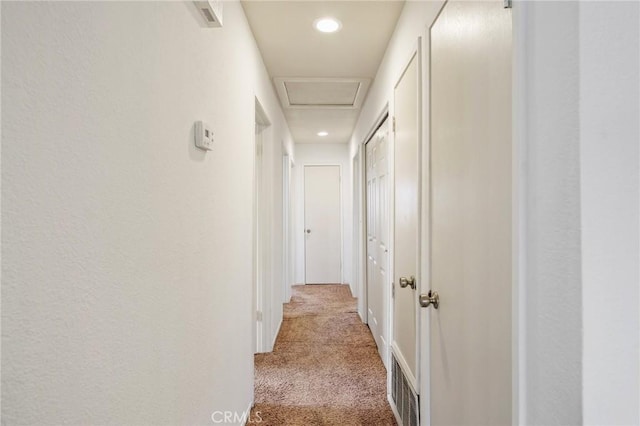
(324, 369)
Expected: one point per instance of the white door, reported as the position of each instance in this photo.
(323, 226)
(378, 281)
(406, 221)
(471, 204)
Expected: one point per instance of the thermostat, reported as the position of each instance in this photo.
(204, 136)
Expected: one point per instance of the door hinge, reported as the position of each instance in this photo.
(393, 122)
(507, 4)
(258, 315)
(393, 291)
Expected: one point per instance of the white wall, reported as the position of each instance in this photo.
(577, 73)
(323, 154)
(551, 382)
(609, 182)
(413, 23)
(126, 292)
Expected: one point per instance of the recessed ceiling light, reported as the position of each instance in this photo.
(327, 25)
(323, 133)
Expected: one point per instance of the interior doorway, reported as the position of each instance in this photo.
(406, 230)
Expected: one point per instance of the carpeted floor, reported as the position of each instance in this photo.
(324, 369)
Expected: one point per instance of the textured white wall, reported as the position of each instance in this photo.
(323, 154)
(414, 22)
(578, 109)
(610, 174)
(551, 375)
(126, 292)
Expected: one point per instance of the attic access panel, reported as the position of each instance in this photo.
(301, 93)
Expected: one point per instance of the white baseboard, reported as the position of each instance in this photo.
(275, 336)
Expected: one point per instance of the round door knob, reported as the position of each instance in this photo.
(408, 282)
(430, 299)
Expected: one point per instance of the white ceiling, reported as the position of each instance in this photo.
(315, 68)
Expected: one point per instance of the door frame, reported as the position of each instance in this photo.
(287, 249)
(261, 235)
(359, 217)
(304, 198)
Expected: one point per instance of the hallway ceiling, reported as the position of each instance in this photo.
(322, 79)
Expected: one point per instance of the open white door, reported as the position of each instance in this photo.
(323, 225)
(471, 215)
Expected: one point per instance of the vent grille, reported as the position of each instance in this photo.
(208, 16)
(403, 396)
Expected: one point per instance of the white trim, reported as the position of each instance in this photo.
(519, 185)
(376, 124)
(260, 114)
(248, 411)
(286, 227)
(415, 53)
(424, 410)
(275, 335)
(261, 239)
(393, 408)
(356, 210)
(304, 248)
(404, 366)
(257, 290)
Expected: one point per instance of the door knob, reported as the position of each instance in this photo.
(429, 299)
(308, 231)
(408, 282)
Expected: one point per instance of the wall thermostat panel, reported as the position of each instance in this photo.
(204, 136)
(211, 11)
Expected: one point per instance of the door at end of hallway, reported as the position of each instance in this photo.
(322, 224)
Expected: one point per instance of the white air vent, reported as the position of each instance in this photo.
(211, 11)
(404, 398)
(321, 93)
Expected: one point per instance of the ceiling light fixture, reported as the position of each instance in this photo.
(323, 133)
(327, 25)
